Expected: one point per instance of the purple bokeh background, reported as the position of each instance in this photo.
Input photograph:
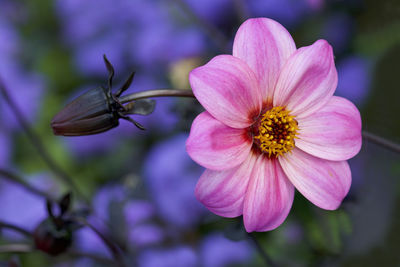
(161, 222)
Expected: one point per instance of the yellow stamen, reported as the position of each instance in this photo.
(276, 131)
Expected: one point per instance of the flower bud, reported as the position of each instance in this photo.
(52, 239)
(93, 112)
(99, 110)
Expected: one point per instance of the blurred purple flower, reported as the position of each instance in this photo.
(171, 176)
(143, 30)
(173, 257)
(89, 55)
(158, 45)
(92, 32)
(85, 20)
(138, 211)
(287, 12)
(218, 251)
(162, 40)
(145, 235)
(9, 44)
(141, 232)
(104, 198)
(21, 207)
(215, 11)
(86, 240)
(354, 78)
(83, 146)
(13, 11)
(136, 217)
(24, 88)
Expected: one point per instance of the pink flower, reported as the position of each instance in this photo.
(271, 125)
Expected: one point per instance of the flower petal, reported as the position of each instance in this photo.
(264, 45)
(333, 132)
(227, 88)
(325, 183)
(308, 79)
(216, 146)
(222, 192)
(269, 196)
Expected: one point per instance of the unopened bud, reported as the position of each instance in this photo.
(52, 239)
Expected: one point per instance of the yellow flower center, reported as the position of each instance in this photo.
(276, 132)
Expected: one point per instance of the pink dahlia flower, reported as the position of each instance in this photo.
(271, 125)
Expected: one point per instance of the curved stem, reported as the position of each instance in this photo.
(16, 248)
(26, 248)
(268, 261)
(18, 180)
(381, 141)
(156, 93)
(15, 228)
(114, 249)
(37, 143)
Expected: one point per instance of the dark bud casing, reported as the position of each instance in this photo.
(99, 110)
(91, 113)
(54, 234)
(52, 239)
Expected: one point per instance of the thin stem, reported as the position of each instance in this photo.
(16, 248)
(114, 249)
(15, 228)
(26, 248)
(381, 141)
(267, 260)
(156, 93)
(189, 93)
(37, 143)
(18, 180)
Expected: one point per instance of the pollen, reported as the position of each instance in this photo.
(276, 132)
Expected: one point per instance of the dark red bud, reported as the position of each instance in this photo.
(52, 239)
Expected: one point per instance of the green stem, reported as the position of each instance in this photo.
(267, 259)
(16, 248)
(156, 93)
(15, 228)
(26, 248)
(381, 141)
(114, 249)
